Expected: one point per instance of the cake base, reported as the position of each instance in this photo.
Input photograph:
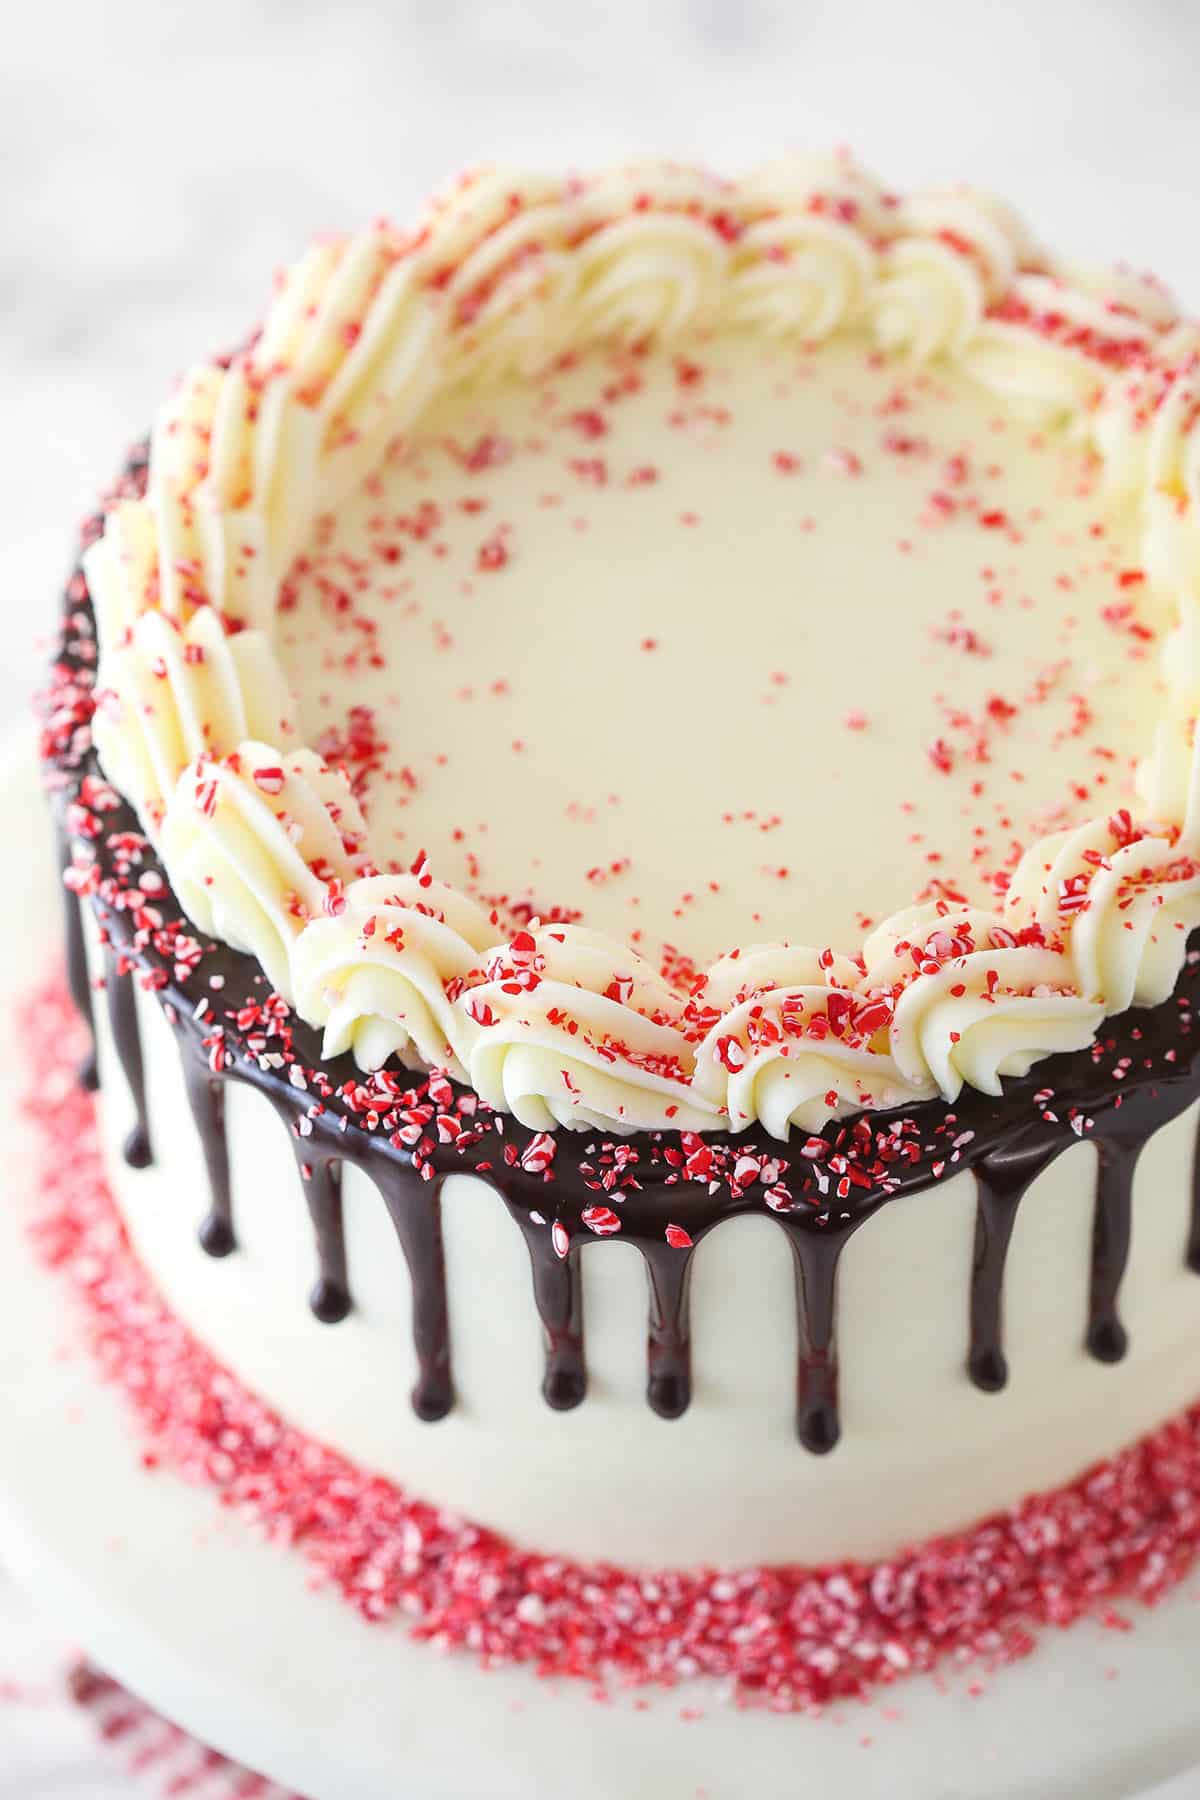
(220, 1631)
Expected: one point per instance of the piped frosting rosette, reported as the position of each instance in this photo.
(796, 1042)
(1121, 899)
(259, 842)
(955, 253)
(805, 265)
(560, 1025)
(972, 1000)
(574, 1031)
(169, 693)
(1045, 348)
(1144, 424)
(652, 272)
(382, 974)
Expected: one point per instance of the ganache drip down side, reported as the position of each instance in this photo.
(330, 1296)
(1008, 1141)
(206, 1097)
(76, 963)
(1001, 1184)
(558, 1297)
(126, 1038)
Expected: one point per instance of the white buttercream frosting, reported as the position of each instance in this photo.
(259, 842)
(559, 1023)
(380, 976)
(169, 694)
(573, 1030)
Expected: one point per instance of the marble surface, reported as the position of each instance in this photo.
(160, 160)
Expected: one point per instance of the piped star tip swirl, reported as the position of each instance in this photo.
(265, 845)
(170, 693)
(382, 973)
(575, 1031)
(258, 843)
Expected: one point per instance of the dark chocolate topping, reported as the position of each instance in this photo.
(1002, 1183)
(558, 1296)
(206, 1097)
(127, 1043)
(77, 966)
(322, 1178)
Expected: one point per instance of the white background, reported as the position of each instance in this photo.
(158, 160)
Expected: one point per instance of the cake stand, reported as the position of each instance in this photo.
(223, 1633)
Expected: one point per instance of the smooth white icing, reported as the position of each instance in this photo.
(727, 632)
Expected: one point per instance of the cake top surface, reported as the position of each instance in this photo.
(748, 641)
(677, 652)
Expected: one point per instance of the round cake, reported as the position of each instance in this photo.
(651, 721)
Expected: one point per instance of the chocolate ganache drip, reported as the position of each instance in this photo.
(558, 1296)
(1112, 1221)
(666, 1190)
(78, 979)
(206, 1097)
(322, 1177)
(1120, 1139)
(1193, 1243)
(669, 1345)
(415, 1209)
(320, 1173)
(127, 1044)
(815, 1256)
(1002, 1178)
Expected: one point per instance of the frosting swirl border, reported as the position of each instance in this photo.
(559, 1025)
